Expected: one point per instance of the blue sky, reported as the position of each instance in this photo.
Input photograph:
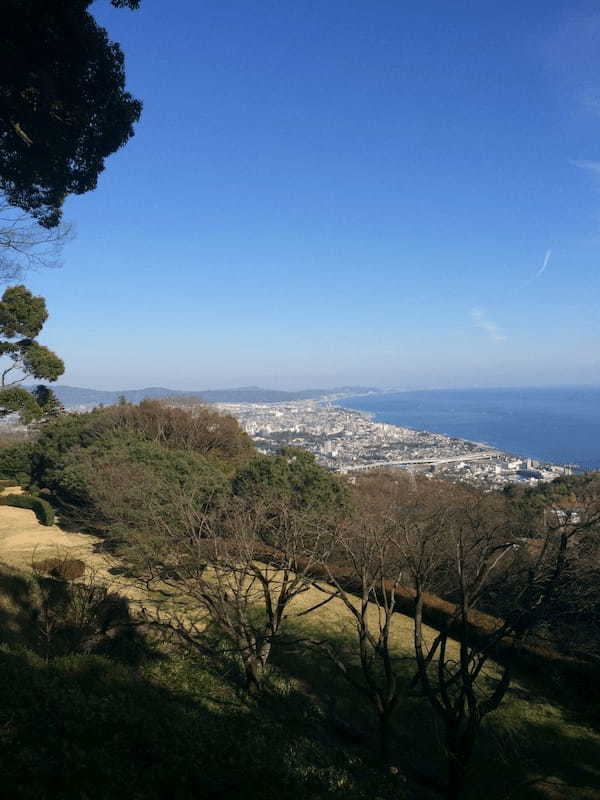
(342, 191)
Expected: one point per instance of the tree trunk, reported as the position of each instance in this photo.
(456, 777)
(253, 671)
(385, 730)
(459, 747)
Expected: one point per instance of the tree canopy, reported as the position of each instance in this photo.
(293, 474)
(63, 103)
(22, 317)
(122, 483)
(140, 435)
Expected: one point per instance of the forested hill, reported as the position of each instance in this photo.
(72, 396)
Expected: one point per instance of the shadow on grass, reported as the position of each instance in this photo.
(346, 713)
(54, 617)
(134, 716)
(83, 726)
(532, 748)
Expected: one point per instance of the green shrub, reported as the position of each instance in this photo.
(295, 475)
(15, 462)
(118, 485)
(203, 433)
(42, 509)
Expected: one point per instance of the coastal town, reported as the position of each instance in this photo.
(348, 441)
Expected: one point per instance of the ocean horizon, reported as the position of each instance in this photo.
(558, 425)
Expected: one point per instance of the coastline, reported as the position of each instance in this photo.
(347, 440)
(558, 426)
(487, 445)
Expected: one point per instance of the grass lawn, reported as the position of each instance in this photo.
(171, 723)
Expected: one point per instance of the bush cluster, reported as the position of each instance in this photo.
(15, 463)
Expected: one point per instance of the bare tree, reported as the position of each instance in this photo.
(25, 245)
(366, 575)
(368, 568)
(568, 523)
(478, 544)
(237, 572)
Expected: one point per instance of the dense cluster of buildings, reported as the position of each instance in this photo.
(350, 441)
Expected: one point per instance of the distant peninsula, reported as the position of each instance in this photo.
(76, 396)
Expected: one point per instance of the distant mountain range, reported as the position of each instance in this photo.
(72, 396)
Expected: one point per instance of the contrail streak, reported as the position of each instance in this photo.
(545, 264)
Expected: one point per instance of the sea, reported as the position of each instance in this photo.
(557, 425)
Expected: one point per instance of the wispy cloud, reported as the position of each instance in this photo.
(539, 273)
(590, 166)
(542, 269)
(481, 320)
(591, 100)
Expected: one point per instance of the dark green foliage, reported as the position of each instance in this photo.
(122, 482)
(22, 314)
(145, 724)
(59, 436)
(207, 439)
(47, 401)
(63, 104)
(293, 475)
(14, 399)
(15, 462)
(42, 509)
(115, 479)
(41, 362)
(564, 488)
(60, 609)
(204, 432)
(528, 505)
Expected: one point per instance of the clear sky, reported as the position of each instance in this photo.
(324, 192)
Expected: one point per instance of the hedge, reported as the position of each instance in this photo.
(16, 480)
(42, 509)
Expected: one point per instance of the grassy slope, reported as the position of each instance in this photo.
(169, 722)
(532, 747)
